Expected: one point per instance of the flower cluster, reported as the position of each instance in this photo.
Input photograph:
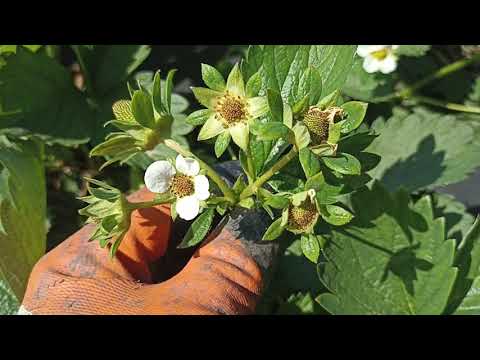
(308, 128)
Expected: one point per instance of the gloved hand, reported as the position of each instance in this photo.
(226, 274)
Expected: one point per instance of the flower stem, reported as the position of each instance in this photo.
(440, 73)
(212, 174)
(148, 204)
(83, 67)
(251, 189)
(447, 105)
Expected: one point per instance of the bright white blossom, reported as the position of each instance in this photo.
(378, 58)
(183, 181)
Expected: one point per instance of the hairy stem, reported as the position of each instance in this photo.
(447, 105)
(212, 174)
(149, 204)
(440, 73)
(251, 189)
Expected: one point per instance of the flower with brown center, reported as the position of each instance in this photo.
(229, 109)
(183, 181)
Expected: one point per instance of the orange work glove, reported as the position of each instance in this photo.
(225, 275)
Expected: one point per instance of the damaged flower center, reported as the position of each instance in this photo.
(303, 216)
(318, 121)
(232, 109)
(182, 185)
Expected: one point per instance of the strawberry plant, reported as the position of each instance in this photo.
(345, 148)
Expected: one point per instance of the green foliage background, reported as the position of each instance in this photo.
(409, 250)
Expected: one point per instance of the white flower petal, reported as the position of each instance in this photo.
(201, 187)
(371, 65)
(257, 106)
(240, 135)
(158, 176)
(365, 50)
(395, 47)
(211, 128)
(187, 207)
(187, 166)
(388, 64)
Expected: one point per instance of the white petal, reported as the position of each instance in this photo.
(395, 47)
(257, 106)
(211, 128)
(388, 64)
(158, 176)
(371, 65)
(365, 50)
(187, 207)
(201, 187)
(187, 166)
(240, 135)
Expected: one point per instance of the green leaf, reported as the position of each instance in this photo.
(142, 109)
(471, 303)
(299, 304)
(275, 104)
(22, 211)
(310, 86)
(157, 94)
(8, 302)
(212, 78)
(108, 66)
(277, 201)
(198, 230)
(302, 136)
(367, 87)
(424, 150)
(331, 186)
(412, 50)
(205, 96)
(167, 91)
(309, 161)
(467, 260)
(355, 112)
(274, 230)
(392, 259)
(343, 163)
(34, 87)
(254, 84)
(336, 215)
(310, 247)
(221, 143)
(281, 66)
(269, 130)
(198, 117)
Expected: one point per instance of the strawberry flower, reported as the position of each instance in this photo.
(183, 181)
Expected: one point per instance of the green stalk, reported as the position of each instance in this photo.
(447, 105)
(85, 73)
(439, 74)
(253, 188)
(212, 174)
(148, 204)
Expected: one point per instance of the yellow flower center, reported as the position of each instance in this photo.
(231, 109)
(380, 54)
(182, 185)
(303, 216)
(318, 121)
